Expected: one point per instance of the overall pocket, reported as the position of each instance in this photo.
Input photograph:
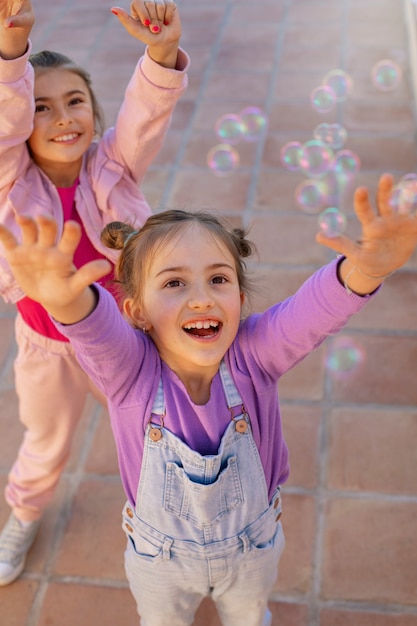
(202, 504)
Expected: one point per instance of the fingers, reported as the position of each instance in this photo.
(7, 238)
(342, 244)
(45, 230)
(70, 238)
(90, 273)
(362, 206)
(20, 15)
(42, 232)
(153, 14)
(385, 185)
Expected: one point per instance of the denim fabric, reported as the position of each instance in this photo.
(203, 526)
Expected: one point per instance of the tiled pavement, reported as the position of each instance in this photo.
(351, 503)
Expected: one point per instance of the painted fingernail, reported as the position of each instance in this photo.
(10, 25)
(166, 23)
(115, 11)
(155, 29)
(146, 22)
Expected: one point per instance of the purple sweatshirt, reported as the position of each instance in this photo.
(125, 364)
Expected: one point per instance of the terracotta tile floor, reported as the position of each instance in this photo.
(351, 502)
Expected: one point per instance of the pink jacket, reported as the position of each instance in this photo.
(112, 168)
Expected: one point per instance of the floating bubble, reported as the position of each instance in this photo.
(386, 75)
(290, 155)
(346, 165)
(411, 176)
(316, 158)
(332, 189)
(254, 123)
(229, 128)
(333, 135)
(344, 357)
(310, 195)
(323, 99)
(223, 159)
(332, 222)
(340, 82)
(404, 195)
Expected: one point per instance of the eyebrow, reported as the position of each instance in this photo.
(184, 268)
(66, 95)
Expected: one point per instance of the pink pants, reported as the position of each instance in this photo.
(52, 390)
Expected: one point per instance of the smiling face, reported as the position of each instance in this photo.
(63, 124)
(191, 302)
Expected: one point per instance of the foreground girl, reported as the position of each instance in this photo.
(53, 161)
(192, 388)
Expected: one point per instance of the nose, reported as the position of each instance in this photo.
(200, 297)
(63, 117)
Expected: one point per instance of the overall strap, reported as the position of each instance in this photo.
(158, 407)
(233, 398)
(232, 395)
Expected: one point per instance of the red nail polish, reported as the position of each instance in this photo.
(10, 25)
(155, 29)
(146, 22)
(115, 11)
(166, 23)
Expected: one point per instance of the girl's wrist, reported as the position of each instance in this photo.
(12, 46)
(355, 280)
(165, 55)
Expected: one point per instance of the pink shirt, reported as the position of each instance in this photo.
(32, 312)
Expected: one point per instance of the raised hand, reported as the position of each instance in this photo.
(45, 270)
(16, 21)
(388, 238)
(157, 24)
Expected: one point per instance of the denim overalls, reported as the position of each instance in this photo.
(203, 525)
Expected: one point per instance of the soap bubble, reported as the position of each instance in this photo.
(346, 165)
(344, 357)
(323, 99)
(254, 123)
(310, 195)
(340, 82)
(290, 155)
(404, 195)
(229, 128)
(223, 159)
(316, 158)
(386, 75)
(332, 188)
(333, 135)
(332, 222)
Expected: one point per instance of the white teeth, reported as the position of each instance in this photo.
(200, 325)
(66, 137)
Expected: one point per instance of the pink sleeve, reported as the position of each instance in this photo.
(145, 114)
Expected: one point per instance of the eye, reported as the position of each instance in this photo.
(219, 280)
(39, 108)
(75, 101)
(175, 282)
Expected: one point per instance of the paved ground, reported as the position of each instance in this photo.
(351, 502)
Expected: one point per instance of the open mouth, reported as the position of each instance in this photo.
(67, 137)
(206, 328)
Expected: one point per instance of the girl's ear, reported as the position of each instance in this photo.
(134, 313)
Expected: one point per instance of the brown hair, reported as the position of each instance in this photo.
(138, 246)
(46, 59)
